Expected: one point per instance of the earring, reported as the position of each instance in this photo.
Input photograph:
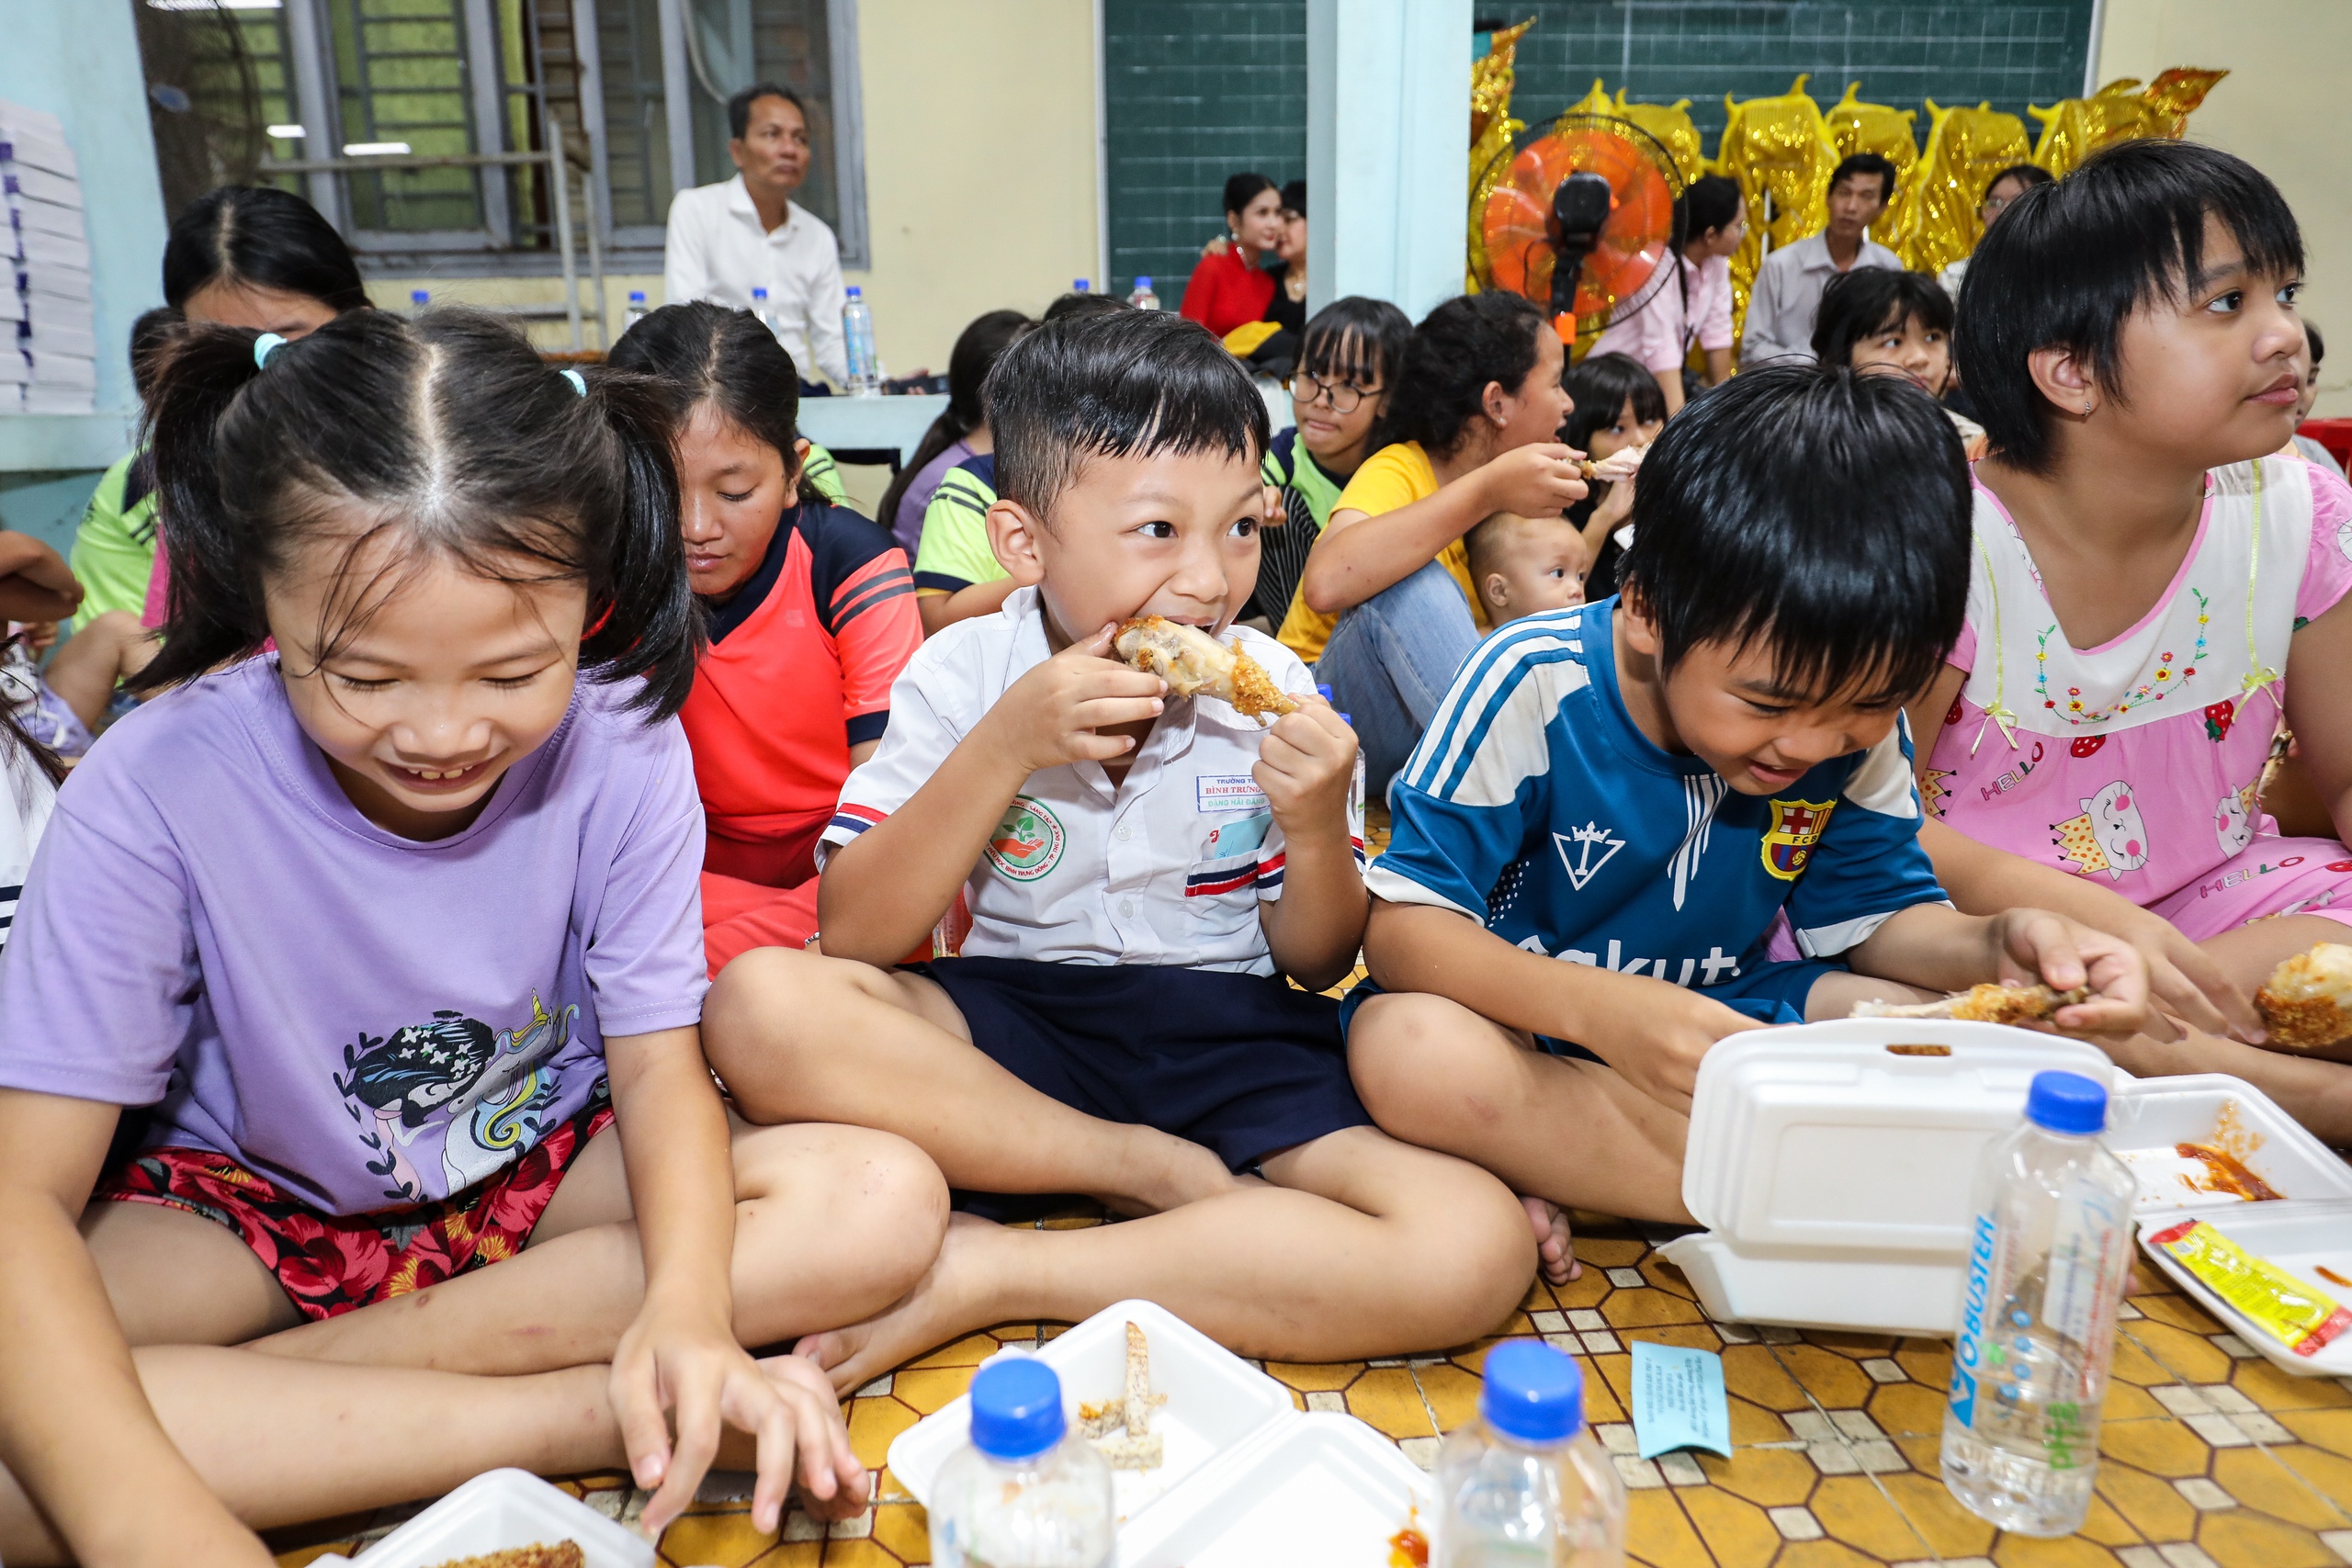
(2087, 408)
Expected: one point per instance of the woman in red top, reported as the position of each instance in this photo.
(812, 615)
(1230, 288)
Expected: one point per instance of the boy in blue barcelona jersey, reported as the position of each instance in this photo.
(1620, 803)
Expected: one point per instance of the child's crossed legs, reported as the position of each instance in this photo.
(503, 1365)
(1353, 1246)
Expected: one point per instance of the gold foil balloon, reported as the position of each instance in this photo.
(1491, 131)
(1781, 152)
(1672, 124)
(2122, 111)
(1886, 131)
(1965, 149)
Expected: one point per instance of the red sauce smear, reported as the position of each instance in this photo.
(2331, 1276)
(1408, 1548)
(2224, 1175)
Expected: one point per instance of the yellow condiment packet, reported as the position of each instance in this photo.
(2288, 1310)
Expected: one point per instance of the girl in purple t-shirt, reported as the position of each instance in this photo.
(2160, 582)
(392, 936)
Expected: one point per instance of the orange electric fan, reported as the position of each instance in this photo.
(1578, 216)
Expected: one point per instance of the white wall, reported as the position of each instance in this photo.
(2282, 109)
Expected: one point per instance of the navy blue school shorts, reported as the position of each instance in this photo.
(1244, 1064)
(1771, 991)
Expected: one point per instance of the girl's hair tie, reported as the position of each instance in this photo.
(579, 382)
(263, 346)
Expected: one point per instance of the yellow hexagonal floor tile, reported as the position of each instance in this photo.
(1737, 1533)
(1853, 1510)
(1390, 1400)
(2153, 1506)
(2258, 1480)
(723, 1541)
(1770, 1478)
(2242, 1537)
(1659, 1534)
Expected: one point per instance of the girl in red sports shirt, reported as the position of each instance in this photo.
(812, 615)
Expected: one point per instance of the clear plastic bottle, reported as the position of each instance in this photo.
(1025, 1493)
(2049, 1251)
(635, 308)
(1525, 1482)
(418, 300)
(857, 335)
(1143, 298)
(760, 309)
(1080, 286)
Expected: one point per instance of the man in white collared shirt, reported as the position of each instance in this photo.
(1789, 285)
(726, 240)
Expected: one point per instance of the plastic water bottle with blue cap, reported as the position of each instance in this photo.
(1080, 286)
(2050, 1249)
(1142, 297)
(760, 309)
(1026, 1492)
(1525, 1482)
(857, 339)
(418, 300)
(636, 312)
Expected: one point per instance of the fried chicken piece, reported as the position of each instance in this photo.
(563, 1554)
(1195, 664)
(2307, 1001)
(1988, 1003)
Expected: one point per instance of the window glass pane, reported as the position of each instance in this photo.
(637, 136)
(734, 43)
(401, 77)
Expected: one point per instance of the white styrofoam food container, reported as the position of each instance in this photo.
(1831, 1164)
(2298, 1237)
(2152, 1117)
(495, 1512)
(1249, 1478)
(1215, 1400)
(1325, 1489)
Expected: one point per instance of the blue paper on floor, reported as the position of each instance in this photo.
(1678, 1400)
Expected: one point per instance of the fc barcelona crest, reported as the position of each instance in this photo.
(1788, 839)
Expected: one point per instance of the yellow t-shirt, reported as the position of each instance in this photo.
(1391, 478)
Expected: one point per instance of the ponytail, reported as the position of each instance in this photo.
(644, 622)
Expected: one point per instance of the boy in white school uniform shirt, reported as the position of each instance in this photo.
(1143, 870)
(727, 239)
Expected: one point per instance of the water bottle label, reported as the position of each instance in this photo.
(1967, 1351)
(2082, 1259)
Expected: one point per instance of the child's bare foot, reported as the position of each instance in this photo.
(1165, 1172)
(945, 1303)
(1553, 1243)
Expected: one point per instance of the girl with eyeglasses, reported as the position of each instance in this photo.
(1346, 361)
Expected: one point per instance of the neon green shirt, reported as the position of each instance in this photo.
(825, 474)
(114, 550)
(954, 552)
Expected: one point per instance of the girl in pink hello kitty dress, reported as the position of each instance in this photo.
(2154, 593)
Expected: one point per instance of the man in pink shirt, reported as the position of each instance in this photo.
(1696, 306)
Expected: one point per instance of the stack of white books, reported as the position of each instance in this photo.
(49, 347)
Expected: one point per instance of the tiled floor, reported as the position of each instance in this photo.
(2210, 1457)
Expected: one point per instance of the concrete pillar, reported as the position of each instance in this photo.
(1387, 150)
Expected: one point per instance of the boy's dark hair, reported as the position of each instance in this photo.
(1459, 347)
(1123, 384)
(1872, 300)
(1710, 203)
(1601, 386)
(1074, 303)
(1356, 339)
(1823, 511)
(2026, 175)
(1866, 164)
(2318, 344)
(739, 107)
(1242, 190)
(263, 236)
(2070, 261)
(150, 335)
(976, 350)
(702, 352)
(446, 431)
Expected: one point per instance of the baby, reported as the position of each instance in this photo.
(1522, 565)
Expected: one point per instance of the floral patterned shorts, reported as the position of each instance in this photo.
(332, 1263)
